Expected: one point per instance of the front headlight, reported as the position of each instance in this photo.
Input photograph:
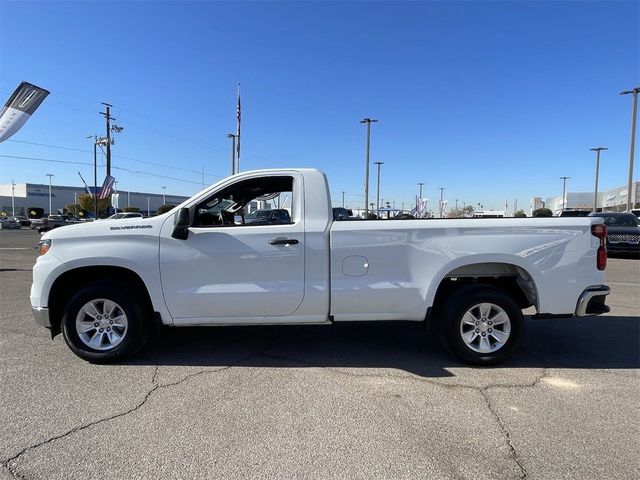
(44, 246)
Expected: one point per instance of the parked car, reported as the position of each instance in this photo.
(51, 222)
(123, 215)
(273, 216)
(575, 213)
(24, 221)
(9, 223)
(623, 231)
(104, 284)
(340, 213)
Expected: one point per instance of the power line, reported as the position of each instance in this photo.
(117, 156)
(47, 160)
(51, 146)
(69, 162)
(152, 129)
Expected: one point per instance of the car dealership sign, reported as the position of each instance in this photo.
(20, 106)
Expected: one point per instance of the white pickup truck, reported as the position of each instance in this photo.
(105, 285)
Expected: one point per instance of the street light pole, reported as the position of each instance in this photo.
(634, 92)
(378, 193)
(368, 121)
(233, 138)
(595, 195)
(441, 201)
(164, 195)
(343, 199)
(13, 198)
(564, 189)
(49, 175)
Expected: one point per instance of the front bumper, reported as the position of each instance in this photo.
(591, 302)
(41, 314)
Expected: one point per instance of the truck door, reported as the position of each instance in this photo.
(233, 264)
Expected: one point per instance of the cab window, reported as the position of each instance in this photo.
(255, 201)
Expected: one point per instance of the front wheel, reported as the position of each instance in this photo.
(104, 324)
(482, 325)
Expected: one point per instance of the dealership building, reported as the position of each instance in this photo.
(614, 200)
(22, 196)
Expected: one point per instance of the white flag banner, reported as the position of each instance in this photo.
(20, 106)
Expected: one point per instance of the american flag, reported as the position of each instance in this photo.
(107, 187)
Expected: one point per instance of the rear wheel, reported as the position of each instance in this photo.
(104, 324)
(482, 325)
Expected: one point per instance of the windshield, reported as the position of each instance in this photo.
(621, 221)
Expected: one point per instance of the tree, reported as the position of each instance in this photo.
(520, 214)
(131, 209)
(87, 202)
(35, 212)
(73, 208)
(465, 212)
(455, 213)
(164, 208)
(542, 212)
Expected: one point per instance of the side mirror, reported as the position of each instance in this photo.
(181, 224)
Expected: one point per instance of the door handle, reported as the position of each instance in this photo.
(283, 241)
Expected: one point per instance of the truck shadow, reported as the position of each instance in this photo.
(592, 342)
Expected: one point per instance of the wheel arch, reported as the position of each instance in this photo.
(510, 277)
(69, 281)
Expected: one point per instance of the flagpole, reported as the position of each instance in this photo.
(237, 139)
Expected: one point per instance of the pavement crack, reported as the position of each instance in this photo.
(10, 464)
(512, 449)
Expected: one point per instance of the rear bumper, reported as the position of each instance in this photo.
(41, 314)
(591, 302)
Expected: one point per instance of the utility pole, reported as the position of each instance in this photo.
(368, 121)
(49, 175)
(595, 195)
(233, 138)
(95, 173)
(441, 201)
(378, 194)
(564, 189)
(634, 92)
(108, 118)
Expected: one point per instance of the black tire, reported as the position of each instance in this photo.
(463, 299)
(137, 319)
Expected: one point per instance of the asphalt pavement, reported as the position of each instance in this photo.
(328, 402)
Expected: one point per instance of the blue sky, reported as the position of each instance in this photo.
(492, 100)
